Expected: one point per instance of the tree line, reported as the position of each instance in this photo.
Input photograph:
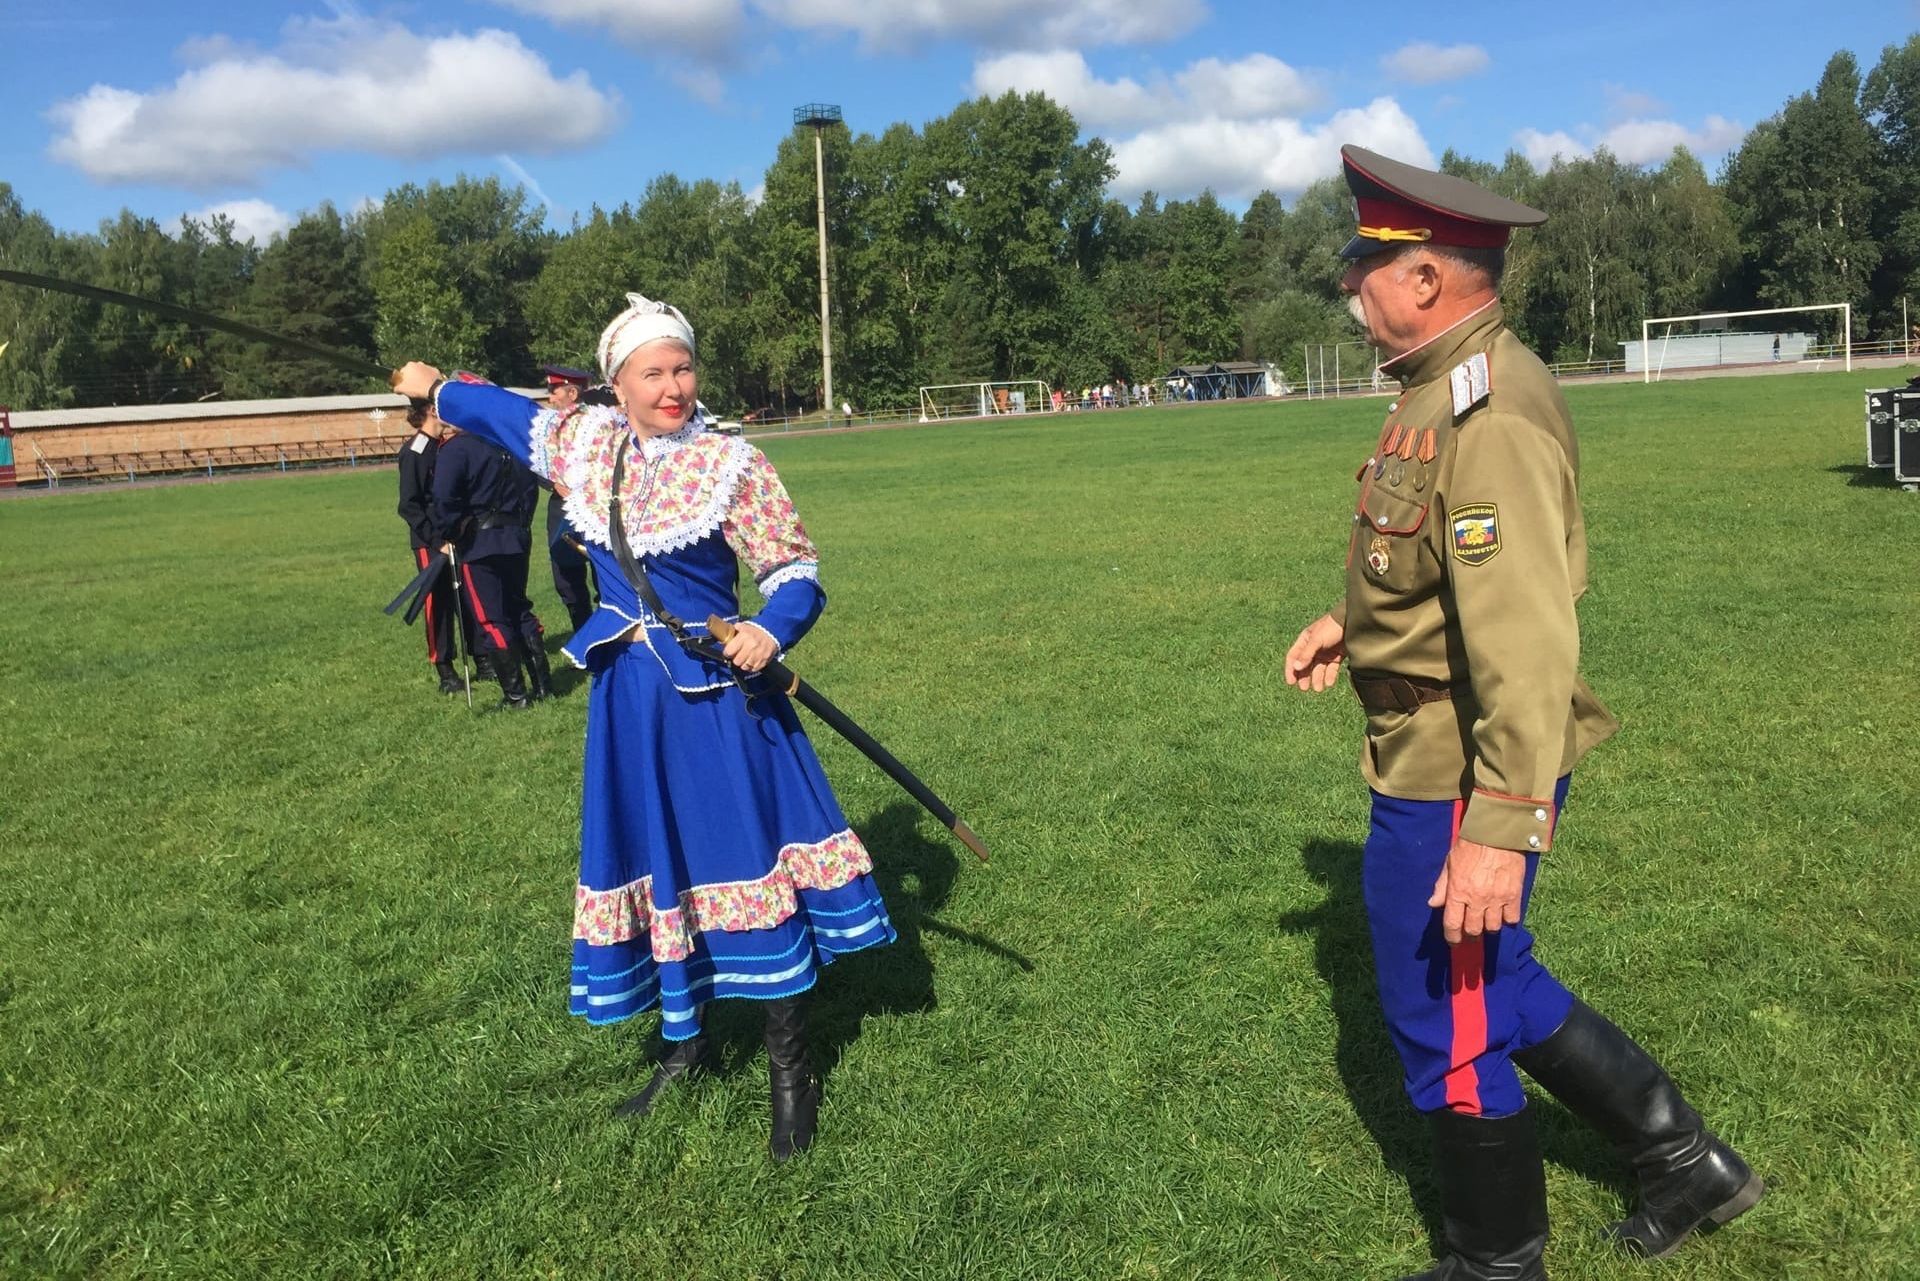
(981, 246)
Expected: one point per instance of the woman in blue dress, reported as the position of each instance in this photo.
(714, 860)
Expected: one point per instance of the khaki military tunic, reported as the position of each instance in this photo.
(1468, 553)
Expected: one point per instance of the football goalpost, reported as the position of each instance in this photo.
(982, 400)
(1710, 340)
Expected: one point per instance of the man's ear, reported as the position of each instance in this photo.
(1426, 280)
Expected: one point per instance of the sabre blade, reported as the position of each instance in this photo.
(843, 725)
(194, 316)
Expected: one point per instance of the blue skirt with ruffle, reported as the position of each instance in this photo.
(714, 859)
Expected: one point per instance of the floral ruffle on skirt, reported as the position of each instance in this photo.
(714, 860)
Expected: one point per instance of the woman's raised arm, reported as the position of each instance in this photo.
(474, 405)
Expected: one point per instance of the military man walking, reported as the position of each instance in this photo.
(416, 464)
(1468, 554)
(483, 507)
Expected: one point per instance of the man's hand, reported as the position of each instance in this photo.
(447, 548)
(751, 647)
(1313, 663)
(1479, 888)
(415, 379)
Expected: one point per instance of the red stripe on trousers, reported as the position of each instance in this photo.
(480, 613)
(433, 649)
(1466, 985)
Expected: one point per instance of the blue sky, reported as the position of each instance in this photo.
(267, 109)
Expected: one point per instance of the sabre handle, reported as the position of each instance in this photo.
(775, 672)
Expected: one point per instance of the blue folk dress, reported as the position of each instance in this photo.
(714, 859)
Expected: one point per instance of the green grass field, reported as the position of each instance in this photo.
(283, 933)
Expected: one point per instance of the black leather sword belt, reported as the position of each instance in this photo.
(1385, 692)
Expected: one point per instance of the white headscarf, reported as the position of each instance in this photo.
(643, 321)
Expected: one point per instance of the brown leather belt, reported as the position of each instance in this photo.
(1385, 692)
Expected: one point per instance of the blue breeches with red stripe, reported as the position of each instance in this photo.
(494, 588)
(1455, 1014)
(440, 610)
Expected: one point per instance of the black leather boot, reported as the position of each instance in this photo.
(1493, 1198)
(539, 674)
(482, 665)
(450, 682)
(1687, 1176)
(682, 1061)
(796, 1095)
(506, 670)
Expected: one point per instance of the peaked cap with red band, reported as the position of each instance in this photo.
(1400, 204)
(558, 375)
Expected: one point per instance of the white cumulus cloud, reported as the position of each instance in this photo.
(1064, 76)
(1634, 142)
(1256, 85)
(1423, 63)
(1250, 88)
(1542, 149)
(1236, 127)
(710, 29)
(1239, 158)
(882, 24)
(1640, 142)
(252, 219)
(345, 83)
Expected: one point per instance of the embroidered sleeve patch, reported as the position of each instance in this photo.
(1476, 533)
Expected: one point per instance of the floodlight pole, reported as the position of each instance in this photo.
(818, 115)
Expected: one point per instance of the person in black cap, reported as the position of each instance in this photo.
(571, 572)
(416, 459)
(1468, 553)
(483, 506)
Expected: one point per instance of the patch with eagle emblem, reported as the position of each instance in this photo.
(1476, 533)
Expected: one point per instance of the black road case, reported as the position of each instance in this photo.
(1880, 427)
(1906, 435)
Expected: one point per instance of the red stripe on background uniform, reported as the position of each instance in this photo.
(480, 613)
(1466, 984)
(433, 648)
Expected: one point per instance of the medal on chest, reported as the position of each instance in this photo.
(1379, 554)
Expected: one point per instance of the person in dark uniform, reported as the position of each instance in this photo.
(417, 458)
(564, 548)
(483, 506)
(1467, 557)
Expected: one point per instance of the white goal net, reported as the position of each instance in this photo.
(982, 400)
(1817, 337)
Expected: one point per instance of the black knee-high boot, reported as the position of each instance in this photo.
(682, 1061)
(1687, 1176)
(539, 672)
(506, 670)
(1493, 1197)
(796, 1095)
